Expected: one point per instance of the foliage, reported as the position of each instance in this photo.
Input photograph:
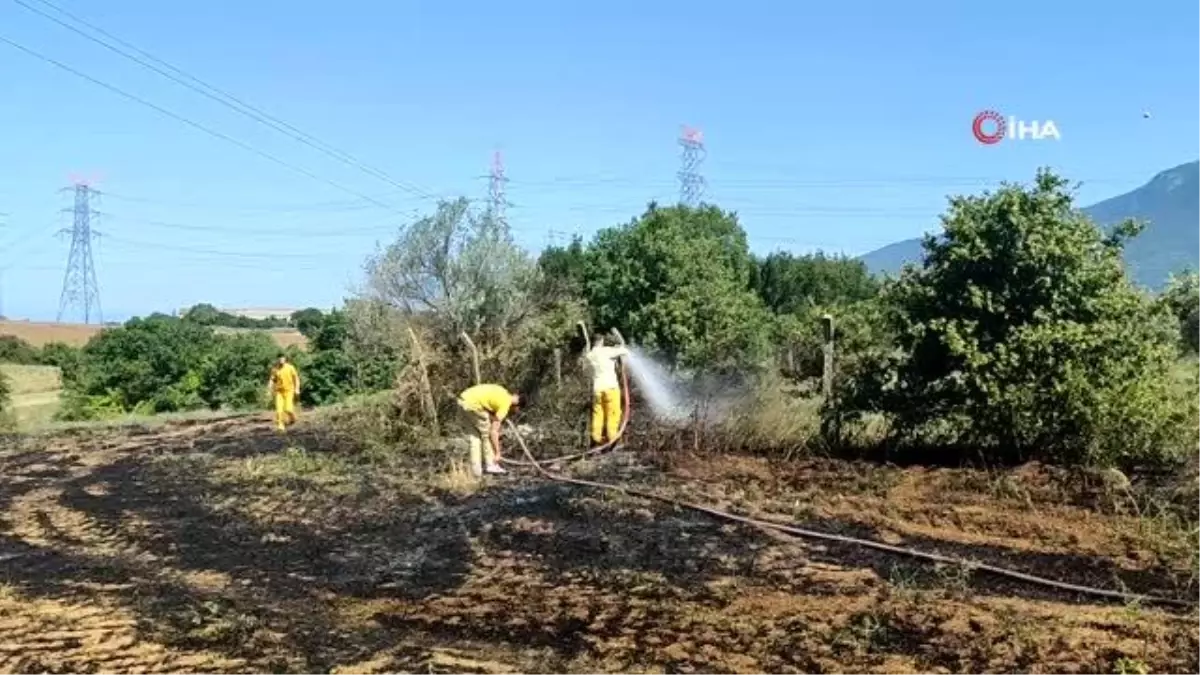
(1182, 299)
(15, 350)
(563, 269)
(858, 330)
(151, 362)
(5, 392)
(63, 356)
(208, 315)
(233, 373)
(307, 320)
(459, 268)
(679, 279)
(1021, 336)
(789, 284)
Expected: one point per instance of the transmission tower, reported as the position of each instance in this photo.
(691, 183)
(80, 290)
(497, 202)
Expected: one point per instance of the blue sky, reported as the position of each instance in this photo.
(839, 126)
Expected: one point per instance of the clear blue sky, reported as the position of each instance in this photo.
(838, 126)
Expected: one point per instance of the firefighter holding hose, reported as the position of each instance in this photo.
(606, 390)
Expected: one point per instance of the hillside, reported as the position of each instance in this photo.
(1170, 203)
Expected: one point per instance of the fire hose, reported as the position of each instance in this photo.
(625, 415)
(937, 558)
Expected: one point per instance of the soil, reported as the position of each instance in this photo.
(219, 546)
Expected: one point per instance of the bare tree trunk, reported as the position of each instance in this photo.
(474, 357)
(587, 341)
(427, 400)
(558, 366)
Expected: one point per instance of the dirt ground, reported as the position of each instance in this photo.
(220, 546)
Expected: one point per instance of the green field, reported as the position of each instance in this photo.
(35, 391)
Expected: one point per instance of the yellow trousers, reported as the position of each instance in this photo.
(285, 409)
(477, 427)
(606, 415)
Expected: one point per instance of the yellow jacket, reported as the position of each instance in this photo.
(490, 398)
(286, 379)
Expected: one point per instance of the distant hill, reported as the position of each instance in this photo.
(1170, 203)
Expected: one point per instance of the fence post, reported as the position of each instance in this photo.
(558, 366)
(827, 369)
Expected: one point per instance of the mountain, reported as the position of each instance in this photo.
(1169, 203)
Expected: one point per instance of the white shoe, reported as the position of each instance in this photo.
(495, 468)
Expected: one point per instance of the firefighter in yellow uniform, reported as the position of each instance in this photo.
(606, 390)
(483, 407)
(285, 389)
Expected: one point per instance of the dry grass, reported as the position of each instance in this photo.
(31, 379)
(284, 337)
(35, 392)
(39, 333)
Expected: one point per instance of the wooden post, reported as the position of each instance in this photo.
(790, 355)
(558, 366)
(474, 357)
(427, 401)
(827, 370)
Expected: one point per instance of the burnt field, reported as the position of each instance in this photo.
(219, 546)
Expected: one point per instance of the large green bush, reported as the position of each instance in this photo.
(1021, 337)
(679, 279)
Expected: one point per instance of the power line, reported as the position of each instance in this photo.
(193, 124)
(230, 254)
(220, 96)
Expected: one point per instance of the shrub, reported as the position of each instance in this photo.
(15, 350)
(1021, 336)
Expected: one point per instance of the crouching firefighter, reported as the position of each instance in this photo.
(606, 391)
(482, 409)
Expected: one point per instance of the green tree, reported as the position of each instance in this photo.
(678, 278)
(233, 374)
(308, 320)
(1021, 336)
(563, 269)
(149, 364)
(1182, 298)
(459, 271)
(204, 314)
(790, 284)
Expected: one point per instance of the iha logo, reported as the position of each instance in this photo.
(990, 127)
